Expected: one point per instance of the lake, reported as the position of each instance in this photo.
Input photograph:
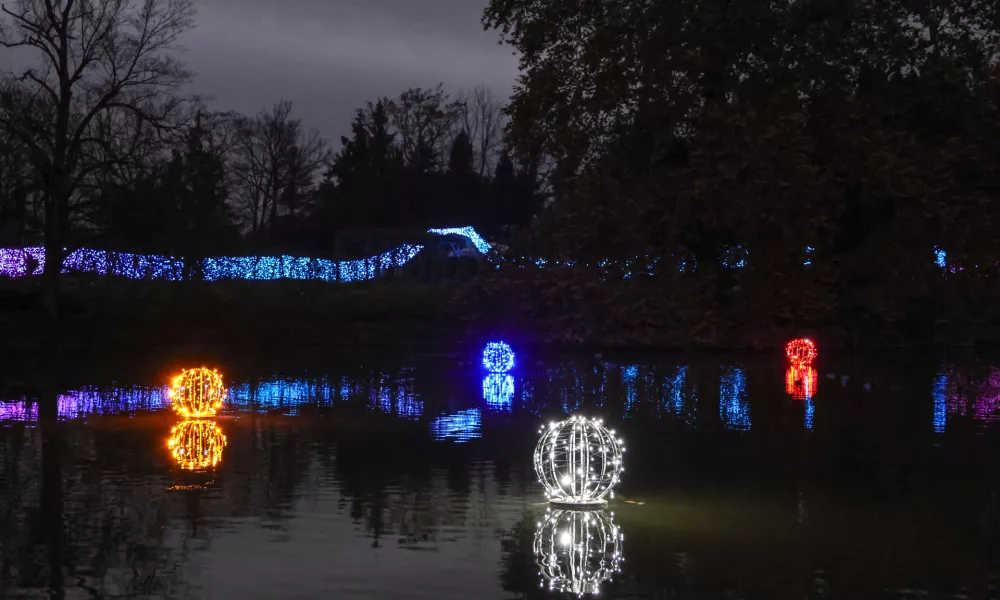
(410, 475)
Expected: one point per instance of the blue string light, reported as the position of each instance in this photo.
(467, 232)
(18, 262)
(940, 258)
(498, 357)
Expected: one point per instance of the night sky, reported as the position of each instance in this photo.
(329, 57)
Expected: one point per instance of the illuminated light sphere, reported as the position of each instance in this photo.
(801, 351)
(498, 357)
(578, 461)
(800, 382)
(197, 393)
(577, 550)
(197, 444)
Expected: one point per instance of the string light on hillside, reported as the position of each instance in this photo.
(197, 393)
(576, 550)
(17, 262)
(578, 461)
(801, 351)
(196, 445)
(467, 232)
(800, 382)
(498, 357)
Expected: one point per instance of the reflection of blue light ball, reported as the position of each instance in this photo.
(498, 391)
(498, 357)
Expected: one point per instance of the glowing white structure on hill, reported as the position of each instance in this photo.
(578, 461)
(577, 550)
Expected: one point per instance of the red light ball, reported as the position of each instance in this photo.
(801, 351)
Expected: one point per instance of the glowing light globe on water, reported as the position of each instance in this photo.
(578, 461)
(577, 550)
(498, 357)
(801, 351)
(197, 393)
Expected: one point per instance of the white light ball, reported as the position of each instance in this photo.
(578, 461)
(577, 550)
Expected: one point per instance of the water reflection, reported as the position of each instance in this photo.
(972, 394)
(394, 395)
(459, 427)
(356, 477)
(800, 382)
(498, 391)
(18, 410)
(631, 391)
(577, 550)
(197, 444)
(939, 392)
(734, 407)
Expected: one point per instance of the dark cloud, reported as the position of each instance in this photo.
(329, 56)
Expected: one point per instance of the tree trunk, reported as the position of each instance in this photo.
(53, 266)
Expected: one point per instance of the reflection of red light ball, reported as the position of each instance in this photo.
(800, 382)
(801, 351)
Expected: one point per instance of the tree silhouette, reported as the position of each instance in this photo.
(101, 87)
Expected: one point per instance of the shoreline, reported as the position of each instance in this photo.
(272, 317)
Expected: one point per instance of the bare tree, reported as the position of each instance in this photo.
(483, 118)
(17, 190)
(100, 64)
(424, 121)
(275, 159)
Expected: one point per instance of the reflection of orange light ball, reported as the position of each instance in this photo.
(800, 382)
(801, 351)
(196, 444)
(197, 393)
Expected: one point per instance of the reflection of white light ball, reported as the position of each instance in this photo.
(577, 550)
(578, 461)
(498, 357)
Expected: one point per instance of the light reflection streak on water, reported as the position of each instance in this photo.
(459, 427)
(940, 393)
(677, 390)
(498, 391)
(630, 374)
(810, 412)
(18, 410)
(961, 395)
(734, 408)
(280, 393)
(652, 391)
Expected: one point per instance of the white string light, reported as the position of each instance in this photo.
(578, 461)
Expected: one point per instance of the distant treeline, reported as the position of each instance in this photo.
(225, 182)
(864, 129)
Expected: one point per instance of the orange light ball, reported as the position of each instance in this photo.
(197, 393)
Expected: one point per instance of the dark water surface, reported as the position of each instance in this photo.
(411, 476)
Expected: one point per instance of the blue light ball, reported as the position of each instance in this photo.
(498, 357)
